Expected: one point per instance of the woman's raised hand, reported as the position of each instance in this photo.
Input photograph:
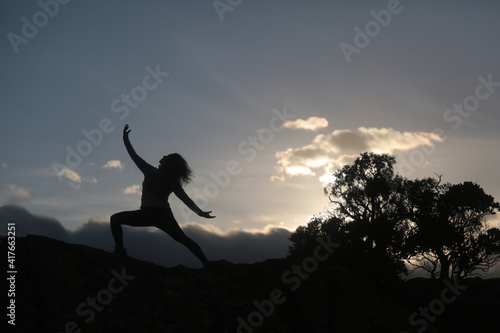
(126, 130)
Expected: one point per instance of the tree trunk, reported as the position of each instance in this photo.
(445, 266)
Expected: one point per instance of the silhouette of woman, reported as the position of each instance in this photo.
(158, 183)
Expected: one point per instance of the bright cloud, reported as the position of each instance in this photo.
(329, 152)
(113, 164)
(72, 176)
(310, 124)
(133, 189)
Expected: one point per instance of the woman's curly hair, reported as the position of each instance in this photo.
(179, 169)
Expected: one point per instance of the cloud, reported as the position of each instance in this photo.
(310, 124)
(151, 244)
(113, 164)
(70, 175)
(16, 195)
(90, 180)
(133, 189)
(329, 152)
(74, 178)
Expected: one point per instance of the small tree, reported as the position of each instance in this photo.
(449, 236)
(352, 253)
(304, 239)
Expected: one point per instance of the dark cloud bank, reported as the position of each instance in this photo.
(153, 245)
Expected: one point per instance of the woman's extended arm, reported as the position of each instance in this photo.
(141, 164)
(181, 194)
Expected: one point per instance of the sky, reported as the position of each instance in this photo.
(265, 100)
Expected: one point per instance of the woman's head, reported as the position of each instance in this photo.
(177, 168)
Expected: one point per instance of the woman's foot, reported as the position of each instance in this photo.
(120, 251)
(207, 264)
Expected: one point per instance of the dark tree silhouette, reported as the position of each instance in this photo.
(449, 236)
(304, 238)
(352, 253)
(383, 219)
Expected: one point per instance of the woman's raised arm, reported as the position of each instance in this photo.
(141, 164)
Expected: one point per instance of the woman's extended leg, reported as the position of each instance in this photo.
(171, 227)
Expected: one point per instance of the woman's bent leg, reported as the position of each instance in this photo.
(134, 218)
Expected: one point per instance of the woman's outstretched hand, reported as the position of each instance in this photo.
(126, 130)
(206, 215)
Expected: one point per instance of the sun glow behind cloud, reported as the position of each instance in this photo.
(329, 152)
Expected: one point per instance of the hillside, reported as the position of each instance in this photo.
(63, 287)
